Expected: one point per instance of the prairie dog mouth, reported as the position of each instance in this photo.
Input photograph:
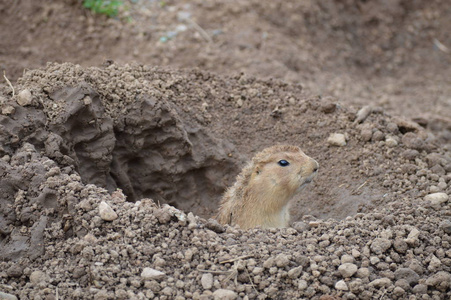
(310, 178)
(305, 182)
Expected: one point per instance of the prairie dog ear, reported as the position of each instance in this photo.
(257, 170)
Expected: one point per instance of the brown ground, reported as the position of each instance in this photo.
(268, 73)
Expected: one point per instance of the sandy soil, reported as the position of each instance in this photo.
(93, 150)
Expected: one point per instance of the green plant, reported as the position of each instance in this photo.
(109, 8)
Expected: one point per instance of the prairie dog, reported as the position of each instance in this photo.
(262, 192)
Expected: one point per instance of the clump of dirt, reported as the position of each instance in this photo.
(375, 223)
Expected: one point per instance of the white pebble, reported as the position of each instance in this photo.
(150, 274)
(391, 142)
(437, 199)
(337, 139)
(106, 212)
(347, 270)
(223, 294)
(341, 285)
(207, 281)
(24, 98)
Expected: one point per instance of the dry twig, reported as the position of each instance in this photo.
(236, 258)
(9, 82)
(202, 32)
(360, 186)
(440, 46)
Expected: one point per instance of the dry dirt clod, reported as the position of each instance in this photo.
(8, 109)
(412, 238)
(295, 272)
(37, 277)
(15, 271)
(380, 245)
(213, 225)
(381, 282)
(441, 280)
(446, 226)
(407, 274)
(347, 270)
(282, 260)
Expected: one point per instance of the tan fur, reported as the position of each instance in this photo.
(262, 192)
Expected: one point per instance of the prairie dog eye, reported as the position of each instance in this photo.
(283, 163)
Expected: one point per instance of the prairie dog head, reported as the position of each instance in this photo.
(262, 192)
(280, 172)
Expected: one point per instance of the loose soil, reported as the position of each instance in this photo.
(143, 133)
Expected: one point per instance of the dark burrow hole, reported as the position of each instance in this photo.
(148, 152)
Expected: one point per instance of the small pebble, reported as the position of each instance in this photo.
(37, 277)
(106, 212)
(363, 273)
(420, 289)
(398, 291)
(400, 246)
(446, 226)
(223, 294)
(341, 285)
(391, 142)
(213, 225)
(437, 199)
(380, 245)
(282, 260)
(412, 238)
(8, 110)
(355, 253)
(302, 285)
(6, 296)
(24, 98)
(347, 259)
(407, 274)
(295, 272)
(337, 139)
(440, 280)
(381, 282)
(363, 113)
(347, 269)
(207, 281)
(151, 274)
(434, 264)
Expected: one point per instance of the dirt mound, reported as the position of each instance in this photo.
(74, 135)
